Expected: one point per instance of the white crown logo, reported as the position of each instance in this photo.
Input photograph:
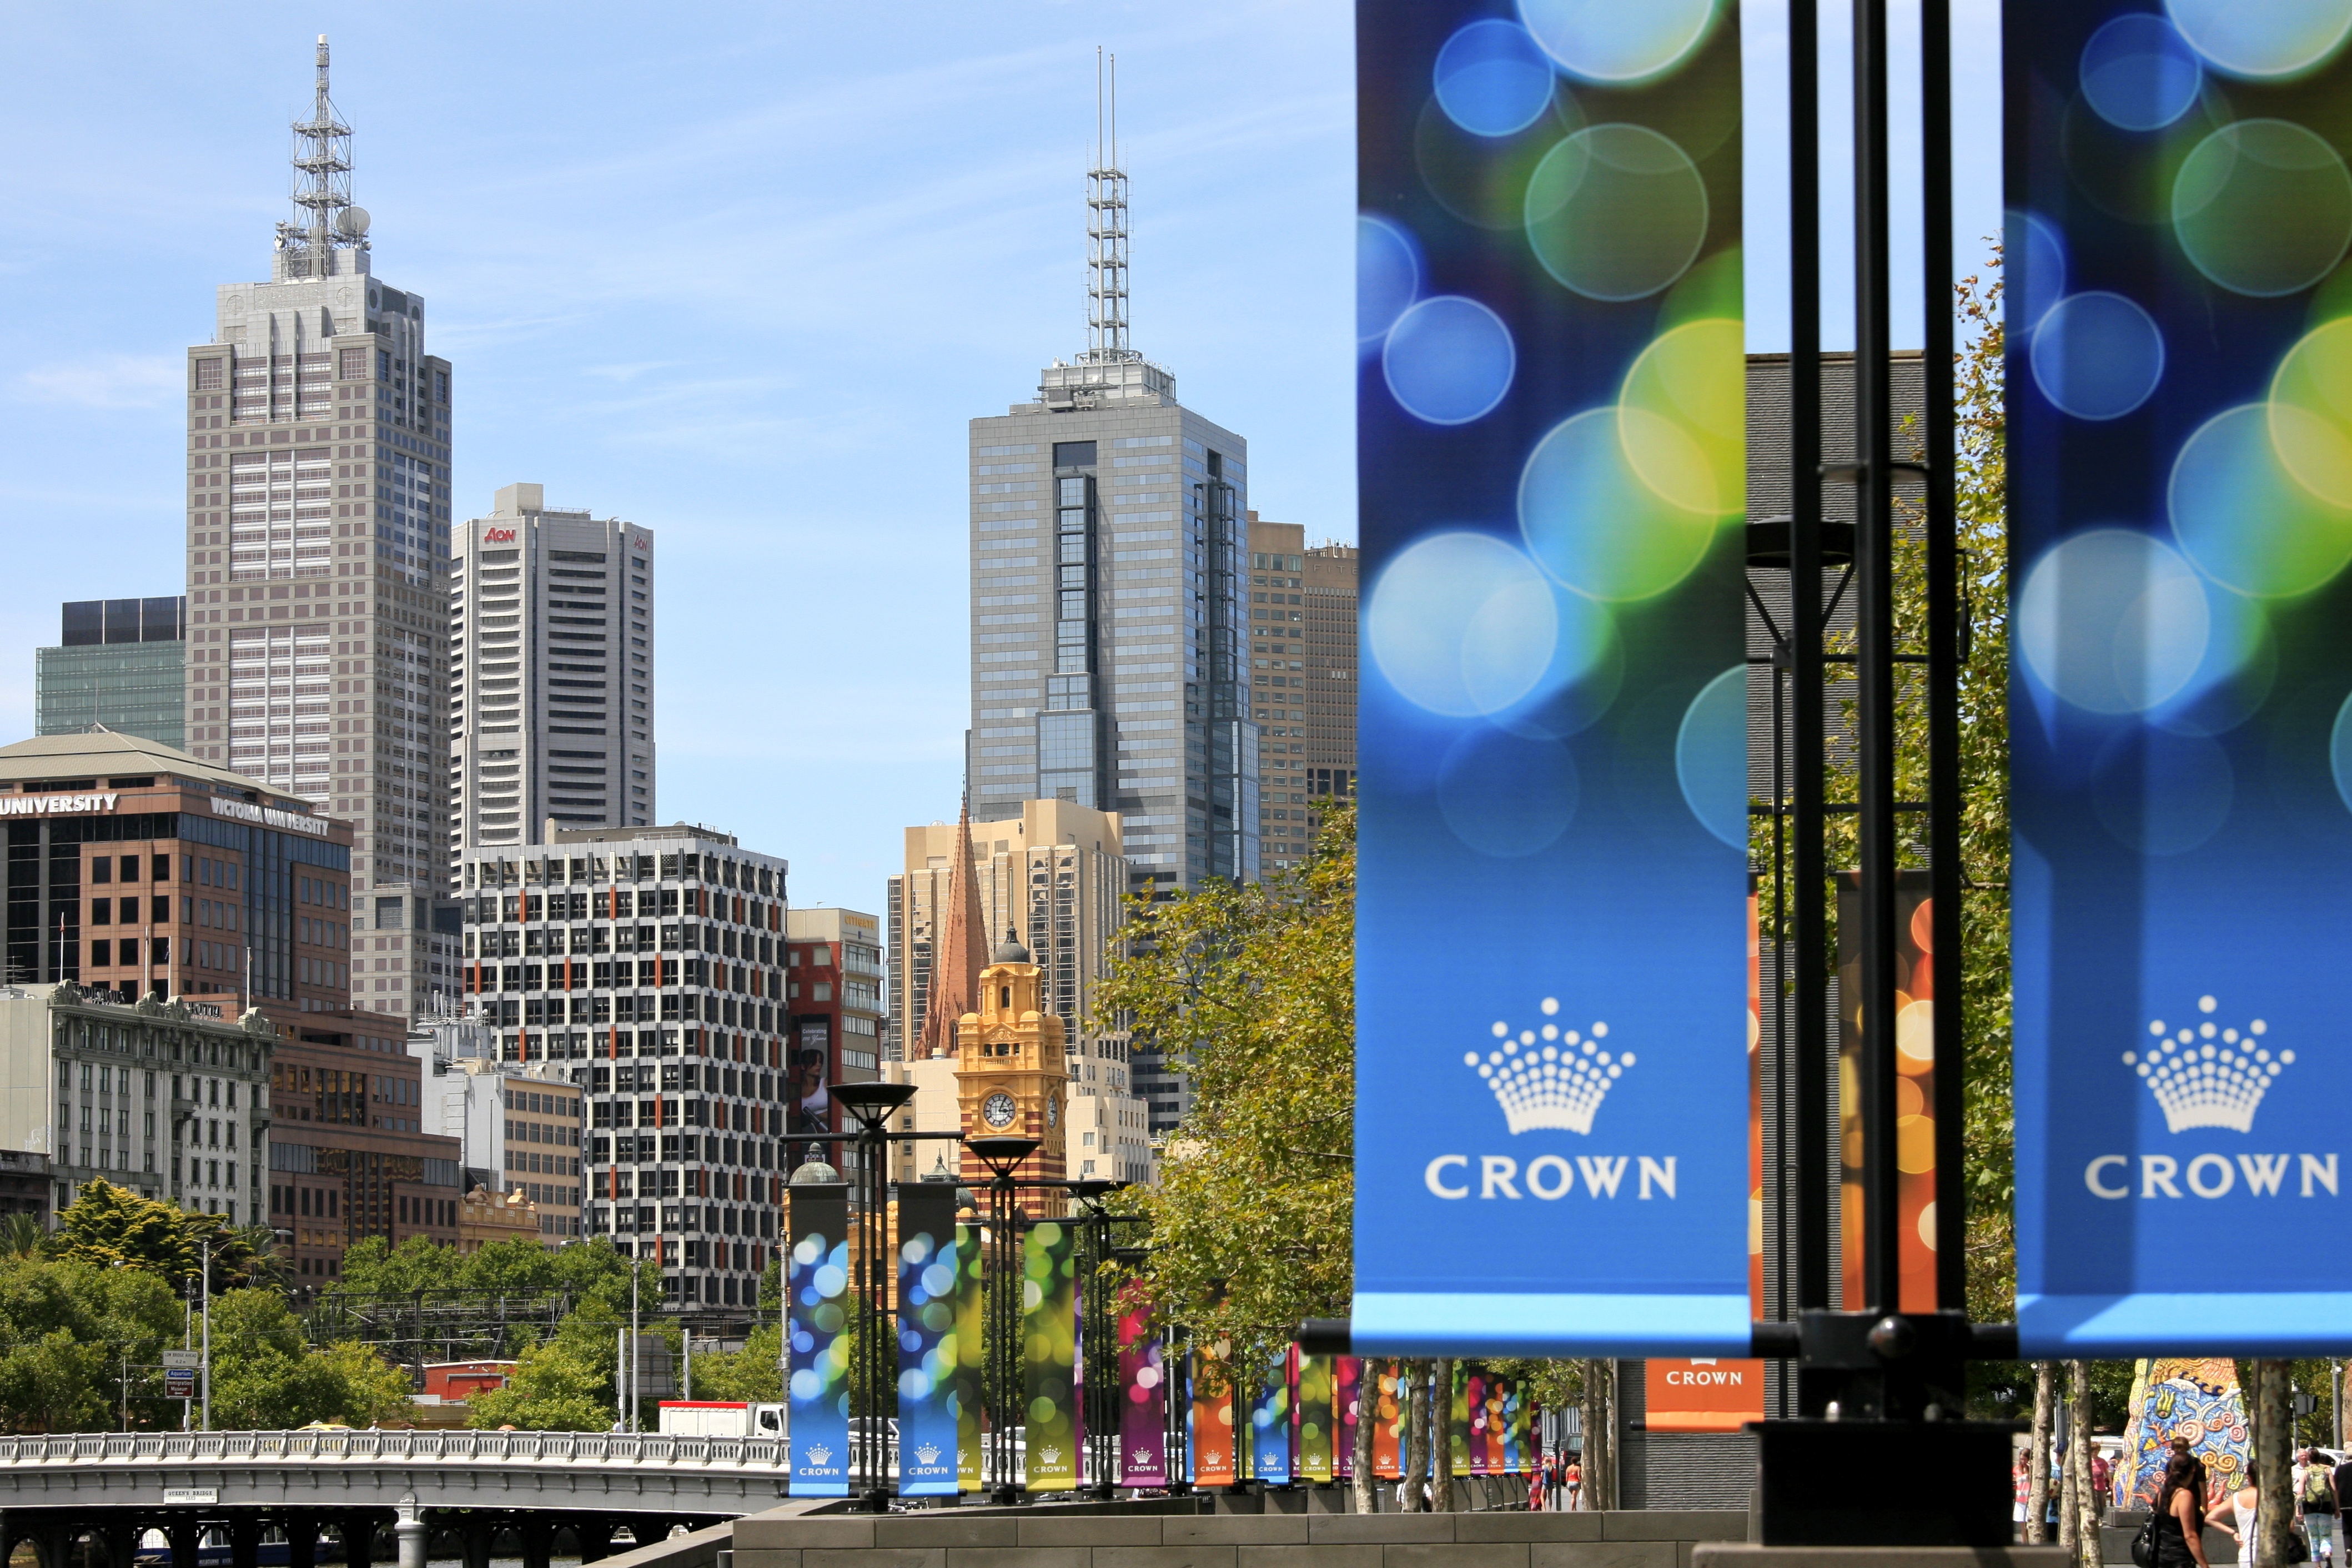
(1049, 1456)
(818, 1454)
(2206, 1076)
(929, 1452)
(1550, 1077)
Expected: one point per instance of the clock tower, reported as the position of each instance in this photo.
(1011, 1073)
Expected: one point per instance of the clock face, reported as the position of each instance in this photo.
(997, 1110)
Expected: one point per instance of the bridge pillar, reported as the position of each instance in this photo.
(359, 1538)
(61, 1547)
(409, 1529)
(475, 1528)
(244, 1539)
(185, 1535)
(594, 1533)
(122, 1543)
(537, 1533)
(302, 1539)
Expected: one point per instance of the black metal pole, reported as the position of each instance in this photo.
(1945, 597)
(1874, 554)
(1815, 1140)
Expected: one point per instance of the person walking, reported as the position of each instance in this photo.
(2315, 1500)
(2180, 1515)
(1572, 1483)
(2239, 1506)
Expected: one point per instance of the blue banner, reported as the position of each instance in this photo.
(818, 1317)
(1269, 1423)
(1551, 456)
(927, 1356)
(2180, 350)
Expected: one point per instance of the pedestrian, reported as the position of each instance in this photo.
(2103, 1479)
(1574, 1480)
(2020, 1481)
(2343, 1480)
(2180, 1515)
(2239, 1506)
(2315, 1499)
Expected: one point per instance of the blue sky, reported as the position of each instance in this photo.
(739, 274)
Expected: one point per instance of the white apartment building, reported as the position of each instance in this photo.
(551, 678)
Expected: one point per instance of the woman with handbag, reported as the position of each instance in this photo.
(2175, 1534)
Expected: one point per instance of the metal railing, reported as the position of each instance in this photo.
(404, 1448)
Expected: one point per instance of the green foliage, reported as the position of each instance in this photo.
(266, 1377)
(752, 1372)
(1250, 990)
(514, 1267)
(114, 1227)
(66, 1328)
(556, 1387)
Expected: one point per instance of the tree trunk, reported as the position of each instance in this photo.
(2078, 1448)
(1416, 1436)
(1361, 1481)
(2037, 1491)
(1599, 1434)
(2273, 1462)
(1441, 1443)
(2067, 1517)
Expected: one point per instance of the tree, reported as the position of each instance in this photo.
(268, 1377)
(553, 1388)
(66, 1330)
(1251, 990)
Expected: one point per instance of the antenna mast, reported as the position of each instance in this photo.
(324, 217)
(1107, 230)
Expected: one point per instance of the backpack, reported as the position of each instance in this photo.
(2318, 1490)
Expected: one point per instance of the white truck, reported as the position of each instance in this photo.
(721, 1418)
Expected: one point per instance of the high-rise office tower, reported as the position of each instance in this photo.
(550, 681)
(120, 663)
(1108, 544)
(1302, 627)
(319, 531)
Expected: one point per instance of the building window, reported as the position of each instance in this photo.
(208, 374)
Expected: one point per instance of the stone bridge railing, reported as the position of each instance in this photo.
(579, 1450)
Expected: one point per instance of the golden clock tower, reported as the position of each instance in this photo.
(1011, 1075)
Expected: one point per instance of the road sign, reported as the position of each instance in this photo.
(188, 1360)
(179, 1383)
(181, 1496)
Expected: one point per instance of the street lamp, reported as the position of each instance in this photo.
(1098, 1333)
(872, 1354)
(1001, 1299)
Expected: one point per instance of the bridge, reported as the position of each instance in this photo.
(71, 1492)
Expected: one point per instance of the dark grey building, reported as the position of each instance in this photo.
(120, 663)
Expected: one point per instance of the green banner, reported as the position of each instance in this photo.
(1314, 1416)
(1049, 1321)
(970, 1358)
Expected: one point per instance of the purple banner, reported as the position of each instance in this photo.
(1143, 1402)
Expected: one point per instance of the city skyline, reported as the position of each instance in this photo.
(794, 520)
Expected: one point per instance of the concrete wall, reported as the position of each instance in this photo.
(1049, 1537)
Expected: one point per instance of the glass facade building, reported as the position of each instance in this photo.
(122, 663)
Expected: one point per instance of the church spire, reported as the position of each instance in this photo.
(959, 950)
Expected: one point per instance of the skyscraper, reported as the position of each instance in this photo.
(122, 663)
(551, 683)
(1107, 547)
(318, 530)
(1302, 615)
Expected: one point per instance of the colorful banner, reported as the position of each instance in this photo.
(1311, 1424)
(928, 1355)
(1048, 1353)
(1269, 1423)
(1490, 1422)
(818, 1315)
(1551, 471)
(1347, 1400)
(1209, 1424)
(2180, 483)
(1388, 1419)
(972, 1357)
(1143, 1395)
(1702, 1394)
(1915, 1093)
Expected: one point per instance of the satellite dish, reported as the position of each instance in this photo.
(351, 222)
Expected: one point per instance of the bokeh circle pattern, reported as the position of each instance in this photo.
(1711, 756)
(1462, 625)
(2262, 207)
(1491, 78)
(2310, 411)
(2098, 355)
(1591, 522)
(1448, 360)
(2163, 793)
(2240, 516)
(1506, 795)
(1388, 276)
(2037, 265)
(1616, 212)
(1612, 41)
(2138, 73)
(1682, 416)
(2339, 753)
(2262, 38)
(2113, 621)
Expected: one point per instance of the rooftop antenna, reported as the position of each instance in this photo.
(324, 218)
(1107, 228)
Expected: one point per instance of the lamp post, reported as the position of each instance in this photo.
(1099, 1348)
(873, 1354)
(1001, 1310)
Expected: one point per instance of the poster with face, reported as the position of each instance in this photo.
(811, 1061)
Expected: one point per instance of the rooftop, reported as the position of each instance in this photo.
(99, 759)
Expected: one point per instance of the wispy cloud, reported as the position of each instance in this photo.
(104, 381)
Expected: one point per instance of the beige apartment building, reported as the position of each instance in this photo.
(1303, 674)
(1054, 879)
